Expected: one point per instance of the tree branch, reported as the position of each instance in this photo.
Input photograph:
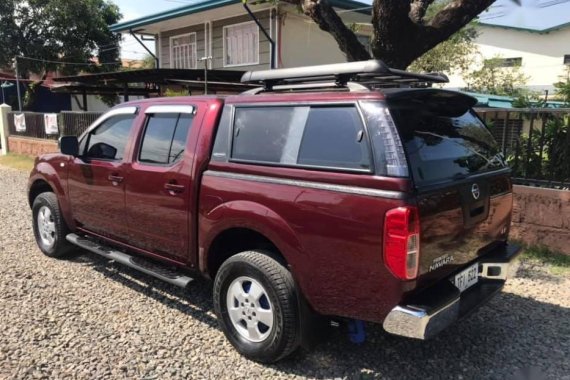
(453, 17)
(323, 14)
(418, 10)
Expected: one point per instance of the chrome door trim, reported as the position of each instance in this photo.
(310, 184)
(114, 112)
(170, 109)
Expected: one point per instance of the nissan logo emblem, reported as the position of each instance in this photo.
(475, 191)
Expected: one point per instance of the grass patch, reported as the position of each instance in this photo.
(557, 263)
(17, 161)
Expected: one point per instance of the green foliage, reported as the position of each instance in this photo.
(563, 89)
(17, 161)
(172, 93)
(148, 62)
(549, 154)
(529, 99)
(453, 55)
(493, 78)
(58, 30)
(558, 263)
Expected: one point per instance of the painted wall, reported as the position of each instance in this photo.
(94, 104)
(218, 42)
(542, 54)
(303, 43)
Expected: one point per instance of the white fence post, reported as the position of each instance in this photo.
(4, 130)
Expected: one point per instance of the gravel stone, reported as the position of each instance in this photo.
(88, 318)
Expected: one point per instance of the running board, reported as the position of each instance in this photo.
(140, 264)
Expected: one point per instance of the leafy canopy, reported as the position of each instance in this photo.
(494, 78)
(58, 30)
(452, 55)
(563, 88)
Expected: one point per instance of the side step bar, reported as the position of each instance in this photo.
(140, 264)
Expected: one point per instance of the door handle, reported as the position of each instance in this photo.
(115, 178)
(174, 188)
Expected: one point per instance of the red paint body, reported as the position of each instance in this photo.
(331, 240)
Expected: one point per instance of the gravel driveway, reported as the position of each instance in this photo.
(86, 318)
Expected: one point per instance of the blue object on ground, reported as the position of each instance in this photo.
(356, 331)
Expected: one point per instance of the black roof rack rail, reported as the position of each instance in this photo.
(372, 73)
(300, 87)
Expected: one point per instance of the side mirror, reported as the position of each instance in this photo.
(69, 145)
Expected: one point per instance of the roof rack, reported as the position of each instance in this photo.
(371, 74)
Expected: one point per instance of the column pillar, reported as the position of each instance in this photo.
(4, 130)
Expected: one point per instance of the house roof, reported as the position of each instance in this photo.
(498, 101)
(539, 16)
(207, 5)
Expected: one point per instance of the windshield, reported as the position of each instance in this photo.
(442, 146)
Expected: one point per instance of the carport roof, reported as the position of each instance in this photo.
(156, 76)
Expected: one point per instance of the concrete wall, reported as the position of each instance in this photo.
(30, 146)
(542, 53)
(542, 216)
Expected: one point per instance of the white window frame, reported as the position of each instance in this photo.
(224, 38)
(194, 47)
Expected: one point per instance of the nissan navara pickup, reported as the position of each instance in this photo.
(349, 191)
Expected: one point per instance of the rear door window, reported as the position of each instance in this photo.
(164, 138)
(443, 146)
(309, 136)
(334, 137)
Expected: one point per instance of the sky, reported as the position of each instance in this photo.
(132, 9)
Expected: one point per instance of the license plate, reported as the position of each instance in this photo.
(467, 278)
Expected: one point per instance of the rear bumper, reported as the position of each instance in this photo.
(439, 306)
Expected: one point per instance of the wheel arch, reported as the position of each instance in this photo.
(37, 187)
(238, 226)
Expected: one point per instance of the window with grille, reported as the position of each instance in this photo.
(183, 51)
(241, 44)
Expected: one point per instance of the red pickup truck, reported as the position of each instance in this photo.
(329, 191)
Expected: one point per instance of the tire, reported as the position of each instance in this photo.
(267, 289)
(49, 227)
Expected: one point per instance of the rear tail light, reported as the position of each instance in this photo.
(402, 242)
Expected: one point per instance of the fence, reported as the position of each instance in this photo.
(69, 123)
(34, 126)
(75, 123)
(535, 142)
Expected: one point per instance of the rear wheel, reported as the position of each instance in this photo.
(49, 227)
(256, 303)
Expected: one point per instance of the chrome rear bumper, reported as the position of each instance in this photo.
(442, 304)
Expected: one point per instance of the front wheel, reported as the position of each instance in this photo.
(256, 304)
(49, 227)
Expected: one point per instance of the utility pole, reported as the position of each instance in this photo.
(205, 60)
(18, 87)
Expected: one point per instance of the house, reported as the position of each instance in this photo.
(224, 31)
(534, 35)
